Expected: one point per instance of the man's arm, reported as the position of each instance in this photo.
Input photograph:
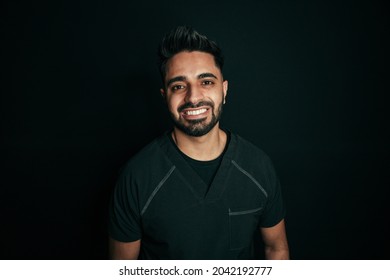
(275, 241)
(124, 250)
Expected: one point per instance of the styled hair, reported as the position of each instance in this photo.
(185, 38)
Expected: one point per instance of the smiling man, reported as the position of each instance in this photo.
(198, 191)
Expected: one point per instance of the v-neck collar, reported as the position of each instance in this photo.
(192, 179)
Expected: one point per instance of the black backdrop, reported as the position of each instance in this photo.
(80, 95)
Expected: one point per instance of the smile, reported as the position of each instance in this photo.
(195, 112)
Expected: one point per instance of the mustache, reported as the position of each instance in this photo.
(193, 105)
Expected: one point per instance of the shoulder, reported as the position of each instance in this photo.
(248, 152)
(150, 158)
(142, 173)
(253, 160)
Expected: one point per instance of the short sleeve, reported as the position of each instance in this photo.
(274, 210)
(124, 214)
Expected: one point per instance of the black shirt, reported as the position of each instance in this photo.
(206, 170)
(159, 199)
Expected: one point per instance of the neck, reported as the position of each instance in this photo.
(206, 147)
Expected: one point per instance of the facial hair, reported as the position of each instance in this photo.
(199, 127)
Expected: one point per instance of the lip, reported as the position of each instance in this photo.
(199, 115)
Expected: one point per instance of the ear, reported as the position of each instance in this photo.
(163, 93)
(225, 89)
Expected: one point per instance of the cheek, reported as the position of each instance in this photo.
(218, 98)
(173, 104)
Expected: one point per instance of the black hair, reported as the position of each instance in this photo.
(185, 38)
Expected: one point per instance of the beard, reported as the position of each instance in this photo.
(199, 127)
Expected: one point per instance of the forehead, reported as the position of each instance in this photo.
(191, 64)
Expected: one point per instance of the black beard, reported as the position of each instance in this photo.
(197, 128)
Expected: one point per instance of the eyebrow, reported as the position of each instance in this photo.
(176, 79)
(207, 75)
(184, 78)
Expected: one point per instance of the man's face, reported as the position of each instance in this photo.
(194, 91)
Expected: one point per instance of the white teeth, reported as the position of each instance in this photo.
(196, 112)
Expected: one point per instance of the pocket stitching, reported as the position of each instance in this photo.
(250, 211)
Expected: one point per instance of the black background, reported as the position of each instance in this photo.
(308, 83)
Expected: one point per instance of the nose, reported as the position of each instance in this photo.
(194, 94)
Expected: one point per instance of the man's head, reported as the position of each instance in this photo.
(185, 38)
(193, 88)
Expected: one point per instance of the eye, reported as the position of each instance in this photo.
(207, 82)
(177, 87)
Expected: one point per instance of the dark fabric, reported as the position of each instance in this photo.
(206, 170)
(159, 198)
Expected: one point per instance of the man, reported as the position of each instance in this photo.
(196, 192)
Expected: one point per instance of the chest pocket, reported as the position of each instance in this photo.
(243, 224)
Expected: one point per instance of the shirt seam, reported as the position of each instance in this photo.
(242, 170)
(250, 211)
(157, 189)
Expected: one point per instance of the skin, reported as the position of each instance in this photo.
(193, 77)
(275, 242)
(124, 250)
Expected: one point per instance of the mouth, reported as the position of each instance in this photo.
(191, 113)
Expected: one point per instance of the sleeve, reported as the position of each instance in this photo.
(274, 210)
(124, 215)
